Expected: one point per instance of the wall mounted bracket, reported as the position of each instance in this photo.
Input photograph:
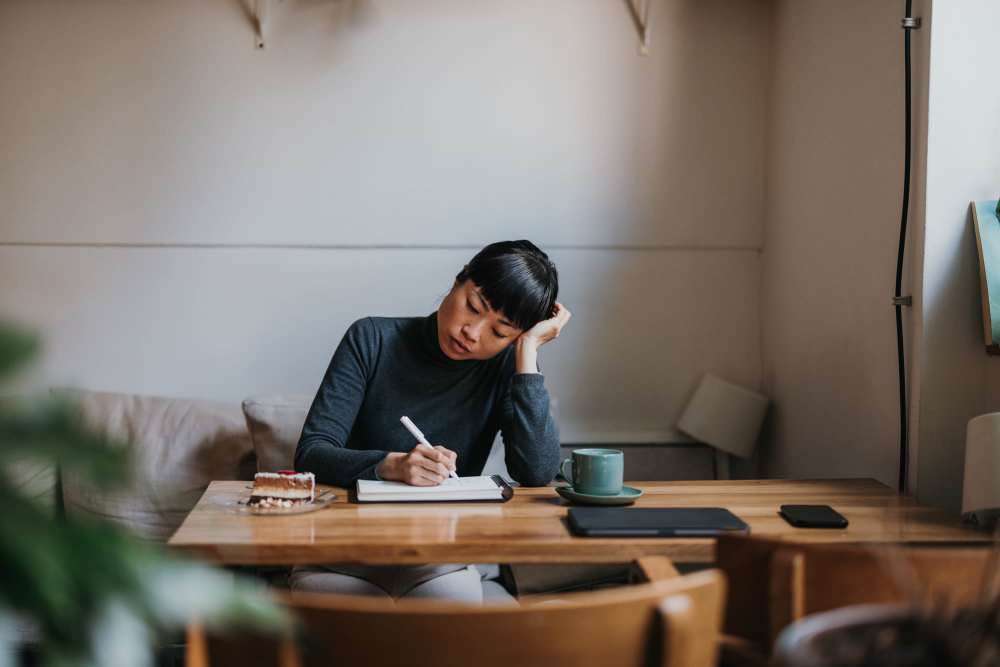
(259, 13)
(639, 11)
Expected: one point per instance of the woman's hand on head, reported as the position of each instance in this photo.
(549, 329)
(421, 466)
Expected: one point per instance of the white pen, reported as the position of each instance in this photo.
(412, 428)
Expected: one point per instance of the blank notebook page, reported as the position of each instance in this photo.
(463, 488)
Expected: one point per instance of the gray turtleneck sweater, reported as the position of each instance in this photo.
(387, 367)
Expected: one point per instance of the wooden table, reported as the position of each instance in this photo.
(531, 527)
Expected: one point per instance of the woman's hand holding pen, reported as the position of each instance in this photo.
(547, 330)
(421, 466)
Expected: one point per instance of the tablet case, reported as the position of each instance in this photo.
(654, 522)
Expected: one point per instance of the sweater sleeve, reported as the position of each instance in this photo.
(530, 434)
(322, 447)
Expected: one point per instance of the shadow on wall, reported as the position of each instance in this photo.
(680, 146)
(950, 394)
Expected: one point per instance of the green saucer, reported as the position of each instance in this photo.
(626, 497)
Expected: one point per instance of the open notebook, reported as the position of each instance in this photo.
(462, 489)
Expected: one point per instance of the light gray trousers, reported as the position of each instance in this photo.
(460, 583)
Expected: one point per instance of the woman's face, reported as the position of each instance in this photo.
(468, 328)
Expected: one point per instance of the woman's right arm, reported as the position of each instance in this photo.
(322, 448)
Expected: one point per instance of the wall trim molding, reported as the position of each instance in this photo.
(386, 246)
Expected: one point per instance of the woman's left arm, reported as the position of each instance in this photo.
(530, 434)
(527, 344)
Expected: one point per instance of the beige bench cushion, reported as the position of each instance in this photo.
(178, 447)
(275, 424)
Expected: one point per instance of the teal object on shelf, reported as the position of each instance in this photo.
(986, 220)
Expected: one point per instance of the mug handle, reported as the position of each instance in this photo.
(562, 469)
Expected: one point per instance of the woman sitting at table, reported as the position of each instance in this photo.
(461, 374)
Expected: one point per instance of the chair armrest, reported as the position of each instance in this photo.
(656, 568)
(196, 653)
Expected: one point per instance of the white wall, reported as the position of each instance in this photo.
(955, 379)
(184, 215)
(834, 180)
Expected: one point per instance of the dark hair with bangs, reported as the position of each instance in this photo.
(516, 278)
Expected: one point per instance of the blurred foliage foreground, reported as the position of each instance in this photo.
(93, 594)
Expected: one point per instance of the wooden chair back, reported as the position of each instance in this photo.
(746, 562)
(775, 583)
(673, 622)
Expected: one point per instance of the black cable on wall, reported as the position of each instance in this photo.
(909, 23)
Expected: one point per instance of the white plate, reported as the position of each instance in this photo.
(321, 501)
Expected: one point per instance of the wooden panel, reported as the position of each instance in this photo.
(229, 323)
(531, 527)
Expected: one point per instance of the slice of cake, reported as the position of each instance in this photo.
(284, 488)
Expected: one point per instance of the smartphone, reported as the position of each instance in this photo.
(813, 516)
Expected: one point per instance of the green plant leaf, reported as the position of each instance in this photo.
(17, 348)
(76, 576)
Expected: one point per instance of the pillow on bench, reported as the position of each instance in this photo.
(178, 446)
(275, 424)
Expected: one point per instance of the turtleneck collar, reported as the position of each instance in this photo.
(429, 341)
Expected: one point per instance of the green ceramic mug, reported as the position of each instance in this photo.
(595, 472)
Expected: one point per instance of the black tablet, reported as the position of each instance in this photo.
(654, 522)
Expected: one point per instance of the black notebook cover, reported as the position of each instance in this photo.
(654, 522)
